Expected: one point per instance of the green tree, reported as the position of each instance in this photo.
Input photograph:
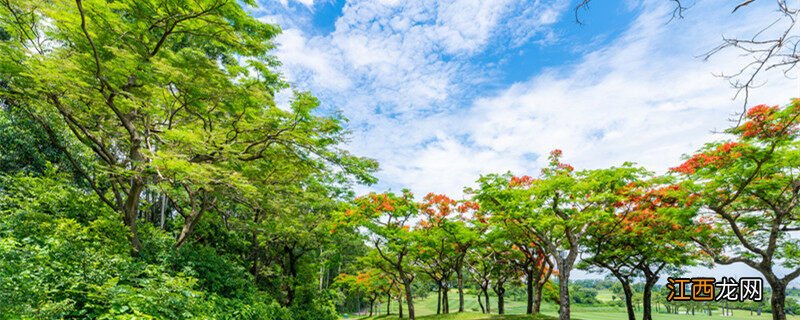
(370, 284)
(528, 256)
(171, 96)
(388, 218)
(648, 233)
(502, 271)
(749, 191)
(444, 238)
(475, 261)
(557, 208)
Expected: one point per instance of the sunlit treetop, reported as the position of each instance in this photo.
(764, 122)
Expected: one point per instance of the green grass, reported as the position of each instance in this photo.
(515, 309)
(605, 295)
(464, 316)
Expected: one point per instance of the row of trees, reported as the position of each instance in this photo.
(148, 171)
(733, 201)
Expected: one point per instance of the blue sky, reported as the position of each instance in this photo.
(441, 92)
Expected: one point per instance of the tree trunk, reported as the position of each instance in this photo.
(388, 304)
(501, 308)
(541, 280)
(321, 271)
(563, 294)
(131, 211)
(371, 306)
(255, 253)
(480, 303)
(529, 284)
(778, 299)
(439, 299)
(163, 211)
(626, 287)
(400, 304)
(647, 310)
(188, 227)
(537, 298)
(409, 298)
(445, 300)
(460, 276)
(486, 295)
(255, 268)
(292, 274)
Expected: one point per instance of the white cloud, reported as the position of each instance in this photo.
(399, 71)
(307, 3)
(645, 98)
(319, 68)
(394, 51)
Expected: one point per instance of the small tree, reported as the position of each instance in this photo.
(370, 284)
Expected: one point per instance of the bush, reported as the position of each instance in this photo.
(320, 309)
(65, 255)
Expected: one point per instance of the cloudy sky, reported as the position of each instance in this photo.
(441, 92)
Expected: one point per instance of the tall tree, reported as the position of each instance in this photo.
(750, 195)
(435, 256)
(168, 95)
(475, 261)
(536, 265)
(369, 284)
(529, 256)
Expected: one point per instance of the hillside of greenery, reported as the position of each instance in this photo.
(147, 172)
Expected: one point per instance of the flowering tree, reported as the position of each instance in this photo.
(388, 217)
(528, 254)
(370, 284)
(749, 191)
(443, 241)
(445, 238)
(436, 254)
(537, 267)
(647, 233)
(557, 208)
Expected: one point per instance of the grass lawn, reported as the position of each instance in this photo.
(515, 309)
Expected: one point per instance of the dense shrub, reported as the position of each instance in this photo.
(63, 254)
